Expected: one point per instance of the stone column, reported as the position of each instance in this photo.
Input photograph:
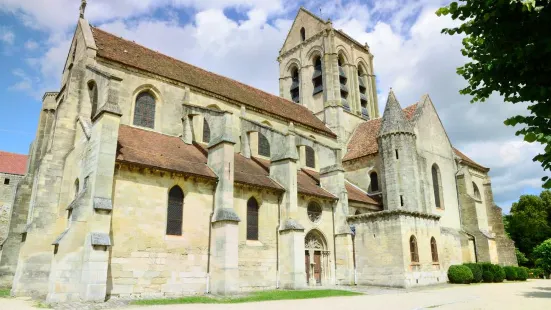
(332, 180)
(283, 169)
(225, 237)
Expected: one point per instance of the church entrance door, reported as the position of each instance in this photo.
(316, 259)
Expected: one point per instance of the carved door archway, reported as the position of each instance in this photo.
(316, 258)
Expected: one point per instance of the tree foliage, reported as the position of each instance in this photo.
(543, 254)
(509, 44)
(529, 223)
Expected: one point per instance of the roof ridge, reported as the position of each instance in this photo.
(213, 73)
(12, 153)
(313, 15)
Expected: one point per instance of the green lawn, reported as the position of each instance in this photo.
(256, 296)
(4, 292)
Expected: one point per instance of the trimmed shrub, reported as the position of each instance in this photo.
(511, 273)
(536, 273)
(487, 276)
(522, 273)
(476, 269)
(499, 273)
(460, 274)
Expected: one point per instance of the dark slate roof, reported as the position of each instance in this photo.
(394, 119)
(364, 139)
(134, 55)
(13, 163)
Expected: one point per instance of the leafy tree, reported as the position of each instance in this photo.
(543, 253)
(527, 223)
(521, 258)
(508, 42)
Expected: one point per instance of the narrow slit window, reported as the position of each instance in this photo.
(401, 200)
(396, 150)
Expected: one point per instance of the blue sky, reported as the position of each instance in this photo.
(241, 39)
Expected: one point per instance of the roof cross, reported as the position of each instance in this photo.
(82, 8)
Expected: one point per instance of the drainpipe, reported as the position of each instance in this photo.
(207, 289)
(277, 238)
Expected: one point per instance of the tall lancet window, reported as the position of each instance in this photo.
(317, 79)
(93, 94)
(476, 192)
(310, 157)
(175, 211)
(206, 131)
(413, 249)
(363, 91)
(295, 85)
(263, 145)
(144, 110)
(343, 79)
(252, 219)
(437, 187)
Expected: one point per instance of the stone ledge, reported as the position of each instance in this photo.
(387, 213)
(102, 204)
(58, 239)
(100, 239)
(76, 201)
(291, 224)
(225, 214)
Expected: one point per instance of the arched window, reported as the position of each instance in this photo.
(77, 188)
(206, 131)
(302, 34)
(413, 249)
(317, 79)
(434, 250)
(295, 85)
(343, 79)
(476, 192)
(93, 93)
(374, 181)
(175, 211)
(263, 145)
(144, 110)
(437, 187)
(363, 91)
(252, 219)
(310, 157)
(314, 211)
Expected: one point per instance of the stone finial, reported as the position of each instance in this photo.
(82, 8)
(394, 119)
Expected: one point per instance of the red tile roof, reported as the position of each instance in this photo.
(469, 161)
(152, 149)
(357, 195)
(249, 171)
(308, 182)
(13, 163)
(364, 139)
(134, 55)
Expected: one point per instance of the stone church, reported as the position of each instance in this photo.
(151, 177)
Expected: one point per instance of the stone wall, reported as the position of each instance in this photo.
(7, 197)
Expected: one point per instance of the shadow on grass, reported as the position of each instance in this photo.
(253, 297)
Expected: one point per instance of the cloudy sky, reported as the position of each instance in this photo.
(241, 39)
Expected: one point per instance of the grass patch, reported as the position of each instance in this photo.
(253, 297)
(4, 293)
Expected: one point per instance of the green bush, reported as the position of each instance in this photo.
(499, 273)
(522, 273)
(487, 276)
(460, 274)
(476, 269)
(536, 273)
(511, 273)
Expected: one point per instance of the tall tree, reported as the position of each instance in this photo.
(509, 44)
(527, 223)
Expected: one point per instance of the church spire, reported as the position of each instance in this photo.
(394, 119)
(82, 8)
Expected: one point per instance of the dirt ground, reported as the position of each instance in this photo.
(533, 294)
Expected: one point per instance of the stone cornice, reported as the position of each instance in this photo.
(389, 213)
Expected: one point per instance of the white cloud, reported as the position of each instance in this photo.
(6, 35)
(31, 45)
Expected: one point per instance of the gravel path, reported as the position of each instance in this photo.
(533, 294)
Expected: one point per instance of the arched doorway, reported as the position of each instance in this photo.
(316, 258)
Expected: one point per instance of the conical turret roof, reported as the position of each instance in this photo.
(394, 120)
